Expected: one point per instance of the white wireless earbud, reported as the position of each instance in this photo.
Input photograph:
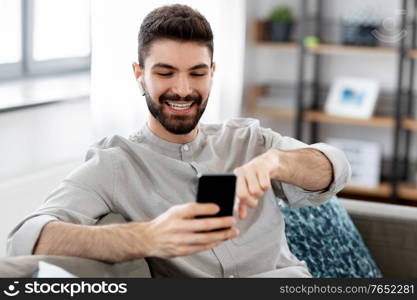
(140, 85)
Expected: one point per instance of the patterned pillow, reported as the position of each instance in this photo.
(327, 240)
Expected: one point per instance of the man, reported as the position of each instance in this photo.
(150, 178)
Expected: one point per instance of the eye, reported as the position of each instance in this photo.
(165, 74)
(198, 74)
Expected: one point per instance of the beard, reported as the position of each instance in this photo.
(176, 124)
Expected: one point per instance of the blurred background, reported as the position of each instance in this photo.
(333, 71)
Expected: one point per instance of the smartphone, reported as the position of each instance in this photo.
(218, 189)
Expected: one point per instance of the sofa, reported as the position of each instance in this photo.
(388, 231)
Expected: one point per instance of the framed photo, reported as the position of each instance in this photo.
(352, 97)
(364, 158)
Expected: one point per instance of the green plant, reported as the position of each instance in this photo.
(281, 14)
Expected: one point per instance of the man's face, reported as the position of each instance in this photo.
(177, 80)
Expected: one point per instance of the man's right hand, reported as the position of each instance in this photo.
(177, 232)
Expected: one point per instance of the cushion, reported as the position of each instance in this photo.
(46, 270)
(327, 240)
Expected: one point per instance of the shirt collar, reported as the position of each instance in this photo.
(164, 145)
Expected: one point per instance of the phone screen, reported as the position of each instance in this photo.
(219, 189)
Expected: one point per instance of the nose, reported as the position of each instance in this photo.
(182, 86)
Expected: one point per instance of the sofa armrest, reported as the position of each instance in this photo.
(25, 266)
(390, 233)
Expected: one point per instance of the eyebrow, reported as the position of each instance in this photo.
(199, 66)
(167, 66)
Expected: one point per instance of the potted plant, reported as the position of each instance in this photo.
(279, 24)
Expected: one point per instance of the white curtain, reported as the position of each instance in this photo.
(117, 107)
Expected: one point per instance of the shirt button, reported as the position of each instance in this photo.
(186, 148)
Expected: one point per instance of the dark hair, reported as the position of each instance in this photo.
(176, 22)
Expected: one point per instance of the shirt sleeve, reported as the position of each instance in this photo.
(296, 196)
(81, 198)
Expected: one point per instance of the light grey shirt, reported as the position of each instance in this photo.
(142, 176)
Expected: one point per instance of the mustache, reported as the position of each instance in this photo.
(176, 97)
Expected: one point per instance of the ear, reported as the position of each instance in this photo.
(137, 70)
(213, 69)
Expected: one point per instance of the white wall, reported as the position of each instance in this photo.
(116, 103)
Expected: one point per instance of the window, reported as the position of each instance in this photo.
(65, 23)
(10, 38)
(10, 28)
(44, 37)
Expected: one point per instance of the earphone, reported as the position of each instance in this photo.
(140, 85)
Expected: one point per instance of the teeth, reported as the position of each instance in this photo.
(179, 106)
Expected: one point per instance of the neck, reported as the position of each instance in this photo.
(161, 132)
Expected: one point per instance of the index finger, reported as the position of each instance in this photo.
(242, 210)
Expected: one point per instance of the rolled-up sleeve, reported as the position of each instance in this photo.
(296, 196)
(82, 197)
(23, 237)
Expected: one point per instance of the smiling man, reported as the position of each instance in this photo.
(150, 177)
(176, 81)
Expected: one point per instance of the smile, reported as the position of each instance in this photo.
(179, 106)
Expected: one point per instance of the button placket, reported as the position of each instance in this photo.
(186, 153)
(195, 167)
(226, 260)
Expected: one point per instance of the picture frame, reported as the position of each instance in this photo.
(352, 97)
(364, 158)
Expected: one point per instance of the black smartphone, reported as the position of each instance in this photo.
(218, 189)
